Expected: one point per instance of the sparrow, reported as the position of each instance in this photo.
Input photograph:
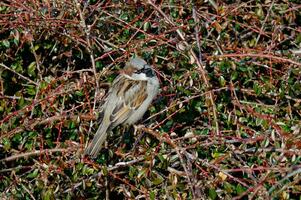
(131, 93)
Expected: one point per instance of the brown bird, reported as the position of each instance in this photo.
(128, 99)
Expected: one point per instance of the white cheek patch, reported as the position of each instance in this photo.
(140, 76)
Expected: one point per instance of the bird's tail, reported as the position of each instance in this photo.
(97, 142)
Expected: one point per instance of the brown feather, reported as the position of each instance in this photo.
(134, 93)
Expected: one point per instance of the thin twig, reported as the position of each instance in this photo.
(37, 59)
(14, 97)
(213, 4)
(255, 55)
(107, 188)
(196, 30)
(115, 167)
(293, 173)
(210, 95)
(27, 190)
(89, 48)
(25, 78)
(125, 164)
(184, 101)
(179, 152)
(199, 64)
(34, 122)
(33, 153)
(263, 24)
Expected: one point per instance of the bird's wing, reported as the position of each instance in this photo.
(127, 99)
(124, 97)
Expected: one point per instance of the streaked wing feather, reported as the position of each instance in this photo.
(130, 97)
(120, 115)
(139, 98)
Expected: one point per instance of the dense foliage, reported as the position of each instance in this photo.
(225, 125)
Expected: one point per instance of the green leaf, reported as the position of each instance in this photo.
(212, 193)
(31, 90)
(6, 144)
(71, 125)
(132, 172)
(259, 12)
(222, 81)
(79, 93)
(124, 16)
(6, 43)
(158, 180)
(17, 138)
(31, 69)
(79, 166)
(228, 187)
(48, 195)
(152, 195)
(257, 88)
(142, 173)
(146, 26)
(240, 189)
(33, 174)
(21, 102)
(98, 65)
(87, 170)
(29, 145)
(17, 66)
(36, 47)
